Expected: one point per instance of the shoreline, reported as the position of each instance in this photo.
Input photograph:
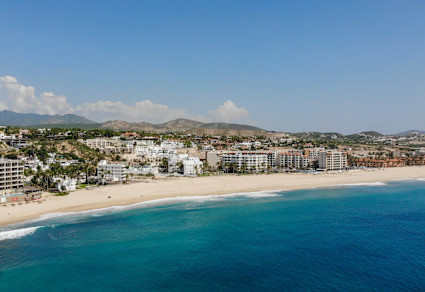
(170, 188)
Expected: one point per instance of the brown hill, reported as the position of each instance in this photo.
(185, 126)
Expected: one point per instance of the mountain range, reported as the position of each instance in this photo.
(410, 132)
(10, 118)
(175, 125)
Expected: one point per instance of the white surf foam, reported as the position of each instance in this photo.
(157, 203)
(361, 184)
(17, 233)
(405, 179)
(409, 179)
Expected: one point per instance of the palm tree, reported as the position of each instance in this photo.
(206, 166)
(90, 171)
(180, 166)
(232, 165)
(226, 166)
(243, 168)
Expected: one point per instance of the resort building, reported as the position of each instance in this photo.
(207, 148)
(143, 170)
(192, 166)
(66, 184)
(271, 160)
(245, 161)
(11, 176)
(313, 153)
(299, 151)
(332, 160)
(175, 163)
(15, 141)
(100, 143)
(111, 172)
(242, 161)
(173, 144)
(246, 145)
(293, 160)
(183, 163)
(390, 162)
(213, 159)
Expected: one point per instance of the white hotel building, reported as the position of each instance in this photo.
(248, 161)
(192, 166)
(333, 160)
(293, 160)
(111, 172)
(100, 143)
(11, 176)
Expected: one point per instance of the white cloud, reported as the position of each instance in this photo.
(229, 112)
(20, 98)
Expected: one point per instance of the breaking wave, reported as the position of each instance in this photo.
(361, 184)
(408, 179)
(17, 233)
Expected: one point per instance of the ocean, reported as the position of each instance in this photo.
(344, 238)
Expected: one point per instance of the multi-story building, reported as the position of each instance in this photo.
(245, 161)
(111, 172)
(207, 148)
(293, 160)
(214, 159)
(101, 143)
(175, 162)
(299, 151)
(189, 165)
(192, 166)
(11, 176)
(65, 184)
(246, 145)
(15, 141)
(271, 159)
(332, 160)
(173, 144)
(313, 153)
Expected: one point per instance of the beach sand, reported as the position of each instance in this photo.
(126, 194)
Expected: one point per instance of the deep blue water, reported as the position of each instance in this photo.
(338, 239)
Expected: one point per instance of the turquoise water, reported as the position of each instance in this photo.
(351, 238)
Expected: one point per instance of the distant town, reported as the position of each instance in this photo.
(60, 161)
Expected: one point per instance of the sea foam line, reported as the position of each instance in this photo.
(157, 203)
(409, 179)
(18, 233)
(406, 179)
(359, 185)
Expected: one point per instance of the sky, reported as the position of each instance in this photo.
(346, 66)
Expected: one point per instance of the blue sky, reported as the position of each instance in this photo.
(345, 66)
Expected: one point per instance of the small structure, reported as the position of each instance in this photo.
(28, 194)
(66, 184)
(12, 198)
(32, 193)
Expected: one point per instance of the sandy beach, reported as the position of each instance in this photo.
(126, 194)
